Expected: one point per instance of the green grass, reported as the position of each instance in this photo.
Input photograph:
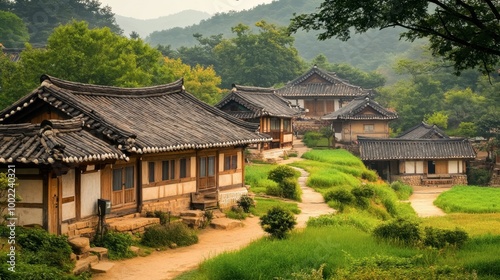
(337, 156)
(305, 250)
(473, 224)
(470, 199)
(256, 176)
(263, 205)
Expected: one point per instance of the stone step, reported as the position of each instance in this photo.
(225, 223)
(101, 267)
(83, 265)
(192, 213)
(80, 245)
(100, 252)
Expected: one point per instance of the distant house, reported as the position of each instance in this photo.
(361, 117)
(142, 149)
(423, 155)
(320, 92)
(262, 106)
(14, 54)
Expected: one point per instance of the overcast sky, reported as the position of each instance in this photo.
(146, 9)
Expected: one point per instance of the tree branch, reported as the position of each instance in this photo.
(493, 9)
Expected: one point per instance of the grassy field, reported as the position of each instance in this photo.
(470, 199)
(343, 246)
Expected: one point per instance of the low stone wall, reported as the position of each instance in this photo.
(230, 197)
(174, 205)
(412, 180)
(459, 179)
(86, 227)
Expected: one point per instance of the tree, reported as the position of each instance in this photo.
(201, 82)
(262, 59)
(437, 118)
(464, 32)
(13, 31)
(41, 17)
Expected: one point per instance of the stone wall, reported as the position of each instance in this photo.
(175, 205)
(229, 198)
(459, 179)
(412, 180)
(85, 227)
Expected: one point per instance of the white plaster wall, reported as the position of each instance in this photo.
(410, 167)
(420, 167)
(91, 191)
(29, 216)
(301, 103)
(150, 193)
(68, 210)
(225, 180)
(68, 184)
(287, 138)
(453, 166)
(188, 187)
(237, 178)
(30, 191)
(336, 104)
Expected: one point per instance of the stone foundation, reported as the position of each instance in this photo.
(174, 206)
(459, 179)
(230, 197)
(412, 180)
(85, 227)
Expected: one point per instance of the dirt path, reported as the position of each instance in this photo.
(171, 263)
(422, 200)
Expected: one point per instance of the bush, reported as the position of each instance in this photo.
(362, 196)
(399, 230)
(290, 189)
(274, 190)
(281, 172)
(117, 243)
(311, 138)
(40, 247)
(342, 196)
(246, 202)
(403, 191)
(478, 177)
(167, 235)
(440, 238)
(163, 216)
(278, 222)
(369, 175)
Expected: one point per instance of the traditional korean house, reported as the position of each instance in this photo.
(262, 106)
(423, 155)
(320, 92)
(361, 117)
(141, 149)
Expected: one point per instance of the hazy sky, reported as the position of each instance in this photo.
(146, 9)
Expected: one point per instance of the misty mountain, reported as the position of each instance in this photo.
(372, 50)
(147, 26)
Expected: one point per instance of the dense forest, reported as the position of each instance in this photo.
(252, 47)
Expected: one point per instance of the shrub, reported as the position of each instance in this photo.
(403, 191)
(163, 216)
(342, 196)
(117, 243)
(399, 230)
(167, 235)
(236, 213)
(478, 177)
(40, 247)
(311, 138)
(290, 189)
(440, 238)
(245, 202)
(274, 190)
(278, 222)
(281, 172)
(369, 175)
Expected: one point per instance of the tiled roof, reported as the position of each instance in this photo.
(52, 141)
(398, 149)
(423, 131)
(142, 120)
(354, 111)
(258, 102)
(332, 86)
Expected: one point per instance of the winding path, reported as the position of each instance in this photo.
(422, 201)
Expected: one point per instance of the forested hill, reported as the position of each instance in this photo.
(145, 26)
(366, 51)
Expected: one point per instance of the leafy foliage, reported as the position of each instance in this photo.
(463, 32)
(246, 202)
(166, 235)
(282, 172)
(117, 243)
(13, 31)
(278, 222)
(440, 238)
(400, 231)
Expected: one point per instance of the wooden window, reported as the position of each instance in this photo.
(230, 162)
(123, 185)
(211, 166)
(287, 125)
(168, 170)
(368, 127)
(151, 171)
(183, 168)
(275, 124)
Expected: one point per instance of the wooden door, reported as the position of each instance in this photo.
(441, 167)
(206, 173)
(54, 205)
(123, 184)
